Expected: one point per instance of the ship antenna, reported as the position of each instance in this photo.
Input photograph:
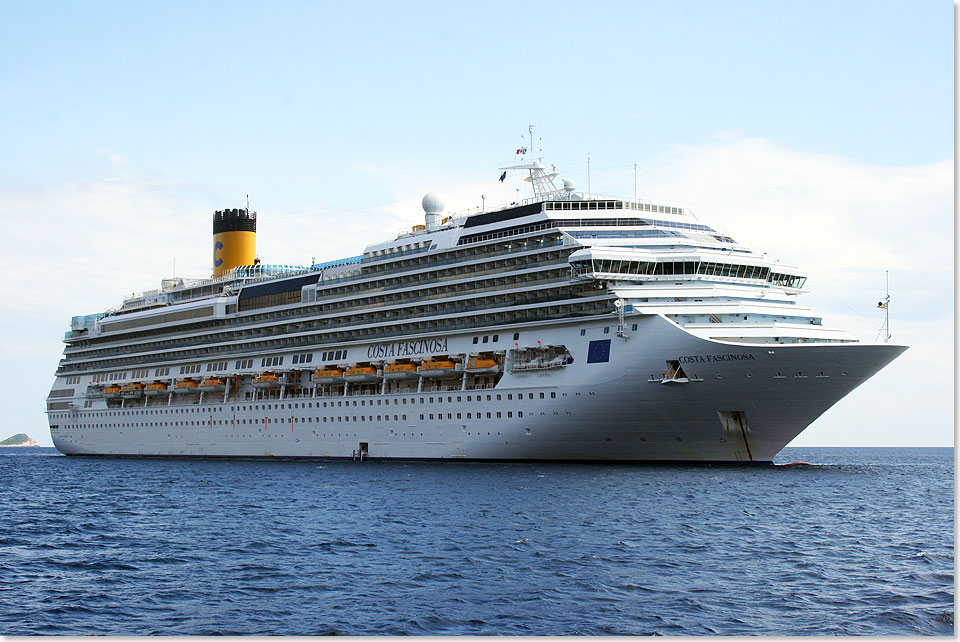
(885, 304)
(886, 307)
(588, 174)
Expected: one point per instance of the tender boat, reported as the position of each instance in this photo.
(212, 384)
(155, 389)
(482, 366)
(328, 376)
(111, 392)
(362, 374)
(438, 369)
(132, 390)
(185, 387)
(400, 372)
(267, 381)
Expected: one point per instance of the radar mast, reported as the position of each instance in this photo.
(540, 176)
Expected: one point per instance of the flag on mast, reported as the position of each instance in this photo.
(503, 176)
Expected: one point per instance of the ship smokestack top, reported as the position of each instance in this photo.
(234, 239)
(234, 220)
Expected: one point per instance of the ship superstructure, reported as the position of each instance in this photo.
(563, 327)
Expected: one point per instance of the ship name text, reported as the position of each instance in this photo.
(406, 348)
(709, 358)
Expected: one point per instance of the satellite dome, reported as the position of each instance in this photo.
(569, 185)
(432, 204)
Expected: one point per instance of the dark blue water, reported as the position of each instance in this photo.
(861, 543)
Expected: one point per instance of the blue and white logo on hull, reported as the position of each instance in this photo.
(599, 351)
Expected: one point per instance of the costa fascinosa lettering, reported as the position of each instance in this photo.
(407, 348)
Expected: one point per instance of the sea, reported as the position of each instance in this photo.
(859, 542)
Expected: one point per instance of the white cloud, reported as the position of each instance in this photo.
(839, 220)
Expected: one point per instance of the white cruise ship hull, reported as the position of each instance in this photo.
(737, 403)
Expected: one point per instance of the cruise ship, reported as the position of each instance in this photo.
(563, 327)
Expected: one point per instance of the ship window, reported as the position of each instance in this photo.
(606, 330)
(583, 331)
(475, 339)
(486, 339)
(516, 335)
(634, 328)
(531, 395)
(496, 338)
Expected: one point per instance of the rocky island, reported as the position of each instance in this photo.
(18, 440)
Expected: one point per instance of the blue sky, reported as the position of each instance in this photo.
(126, 124)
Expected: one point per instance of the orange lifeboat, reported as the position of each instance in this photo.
(132, 390)
(155, 389)
(362, 374)
(437, 369)
(328, 376)
(400, 371)
(212, 384)
(185, 387)
(266, 381)
(482, 366)
(111, 392)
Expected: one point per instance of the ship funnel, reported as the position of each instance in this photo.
(234, 239)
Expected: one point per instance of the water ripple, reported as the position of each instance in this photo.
(860, 543)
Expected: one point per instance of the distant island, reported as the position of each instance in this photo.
(18, 440)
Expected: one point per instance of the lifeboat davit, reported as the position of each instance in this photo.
(437, 369)
(400, 371)
(111, 392)
(212, 384)
(362, 374)
(185, 387)
(328, 376)
(155, 389)
(266, 381)
(482, 367)
(131, 390)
